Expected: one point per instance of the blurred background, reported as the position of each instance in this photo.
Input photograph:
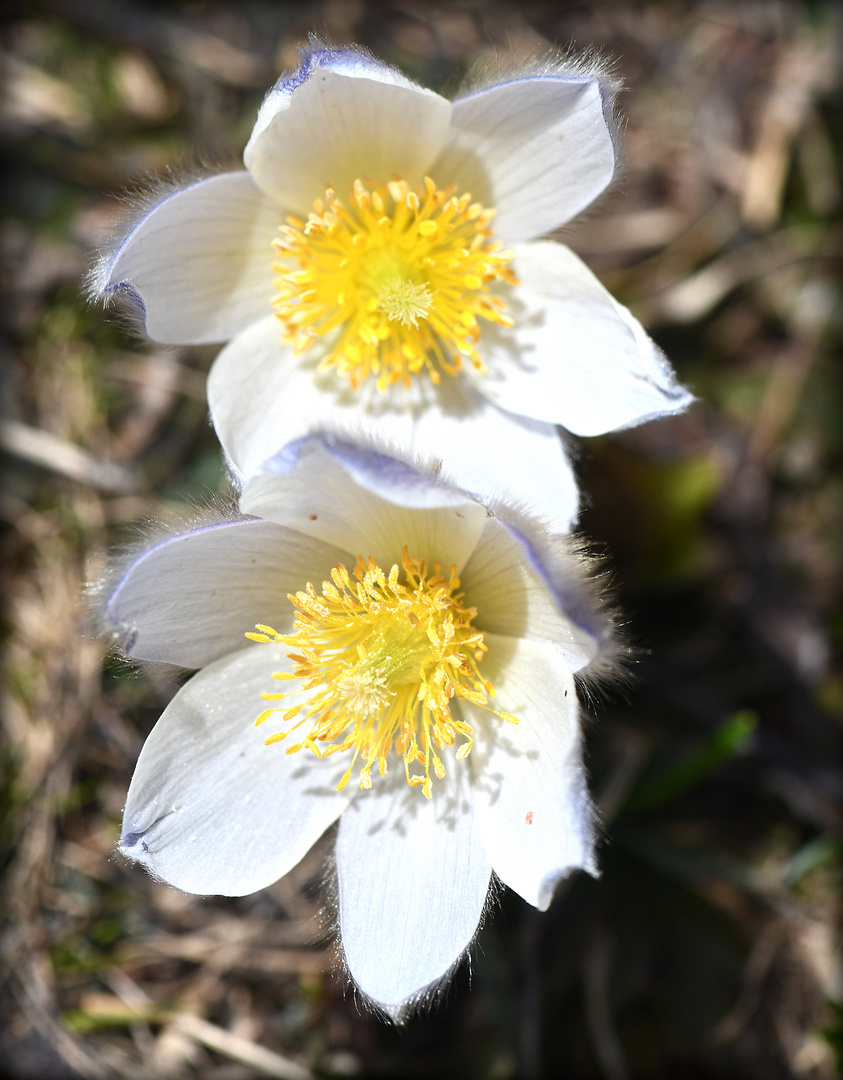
(710, 947)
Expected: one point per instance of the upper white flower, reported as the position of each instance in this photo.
(383, 664)
(378, 264)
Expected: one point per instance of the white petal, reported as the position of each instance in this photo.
(478, 447)
(539, 150)
(484, 452)
(364, 502)
(211, 809)
(576, 356)
(189, 599)
(343, 116)
(262, 396)
(532, 799)
(198, 267)
(521, 592)
(413, 879)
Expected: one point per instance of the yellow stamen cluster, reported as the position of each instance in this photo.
(379, 661)
(397, 277)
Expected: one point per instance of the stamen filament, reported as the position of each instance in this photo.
(396, 279)
(379, 661)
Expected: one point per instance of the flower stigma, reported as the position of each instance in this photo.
(396, 278)
(404, 302)
(379, 661)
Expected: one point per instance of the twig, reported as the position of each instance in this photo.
(240, 1049)
(41, 447)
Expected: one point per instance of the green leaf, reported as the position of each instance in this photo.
(725, 742)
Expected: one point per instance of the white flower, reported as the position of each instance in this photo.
(388, 269)
(460, 682)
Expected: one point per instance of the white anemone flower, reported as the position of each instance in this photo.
(380, 261)
(412, 676)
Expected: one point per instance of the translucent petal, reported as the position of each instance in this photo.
(498, 456)
(531, 795)
(413, 879)
(363, 502)
(523, 591)
(211, 809)
(490, 453)
(198, 266)
(342, 116)
(189, 599)
(575, 357)
(538, 149)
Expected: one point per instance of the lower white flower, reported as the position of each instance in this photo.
(417, 656)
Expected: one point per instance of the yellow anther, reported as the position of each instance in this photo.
(398, 278)
(382, 657)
